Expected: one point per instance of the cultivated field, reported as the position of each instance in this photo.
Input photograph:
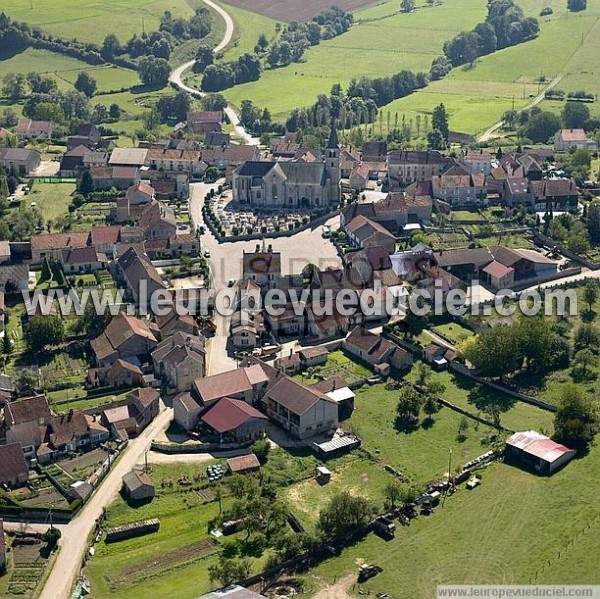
(292, 10)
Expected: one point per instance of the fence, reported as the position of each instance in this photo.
(548, 242)
(461, 369)
(312, 224)
(55, 180)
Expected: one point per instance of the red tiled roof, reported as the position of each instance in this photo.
(229, 414)
(497, 270)
(243, 463)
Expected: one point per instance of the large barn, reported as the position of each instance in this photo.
(537, 452)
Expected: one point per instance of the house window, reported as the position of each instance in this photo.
(274, 191)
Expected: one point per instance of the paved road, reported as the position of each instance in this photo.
(76, 533)
(491, 132)
(226, 259)
(176, 76)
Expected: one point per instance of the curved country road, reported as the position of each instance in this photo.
(490, 133)
(175, 76)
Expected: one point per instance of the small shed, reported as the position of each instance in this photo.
(336, 446)
(323, 475)
(138, 486)
(243, 464)
(382, 369)
(344, 398)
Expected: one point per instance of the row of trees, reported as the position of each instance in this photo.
(533, 343)
(227, 74)
(297, 37)
(15, 36)
(505, 25)
(258, 120)
(359, 104)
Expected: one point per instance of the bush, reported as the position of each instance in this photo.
(547, 10)
(261, 450)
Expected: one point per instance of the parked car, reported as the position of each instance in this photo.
(367, 571)
(231, 283)
(207, 253)
(473, 482)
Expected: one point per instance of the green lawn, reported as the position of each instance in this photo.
(452, 332)
(52, 199)
(421, 455)
(471, 396)
(516, 528)
(338, 364)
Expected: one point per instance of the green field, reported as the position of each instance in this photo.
(383, 42)
(471, 396)
(65, 69)
(92, 21)
(516, 528)
(51, 199)
(370, 48)
(247, 28)
(421, 455)
(131, 568)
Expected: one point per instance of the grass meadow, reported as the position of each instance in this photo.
(384, 41)
(92, 21)
(52, 199)
(516, 528)
(374, 46)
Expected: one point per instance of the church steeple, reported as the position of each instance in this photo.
(332, 164)
(333, 141)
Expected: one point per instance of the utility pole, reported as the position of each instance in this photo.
(449, 474)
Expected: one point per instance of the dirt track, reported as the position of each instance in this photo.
(292, 10)
(337, 590)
